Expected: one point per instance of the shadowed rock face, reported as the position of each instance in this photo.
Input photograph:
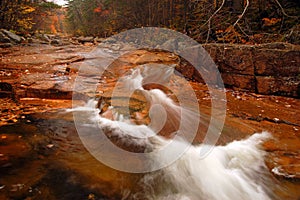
(6, 90)
(265, 69)
(271, 69)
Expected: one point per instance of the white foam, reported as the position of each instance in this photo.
(234, 171)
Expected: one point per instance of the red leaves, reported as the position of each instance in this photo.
(98, 9)
(101, 12)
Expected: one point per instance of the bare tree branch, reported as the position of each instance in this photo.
(230, 28)
(210, 18)
(242, 15)
(282, 10)
(242, 30)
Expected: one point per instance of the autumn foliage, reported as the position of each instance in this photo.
(230, 21)
(27, 16)
(223, 21)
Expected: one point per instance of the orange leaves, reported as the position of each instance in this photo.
(230, 35)
(270, 21)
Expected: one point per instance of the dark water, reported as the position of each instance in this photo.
(44, 159)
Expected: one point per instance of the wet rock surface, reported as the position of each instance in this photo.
(41, 71)
(270, 69)
(42, 79)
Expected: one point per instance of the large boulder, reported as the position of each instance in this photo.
(15, 38)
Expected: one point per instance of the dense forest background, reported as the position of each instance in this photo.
(230, 21)
(30, 16)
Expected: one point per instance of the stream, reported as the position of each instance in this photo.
(129, 138)
(56, 155)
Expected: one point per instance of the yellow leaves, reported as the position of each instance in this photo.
(25, 23)
(27, 9)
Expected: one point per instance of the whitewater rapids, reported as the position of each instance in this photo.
(236, 171)
(233, 172)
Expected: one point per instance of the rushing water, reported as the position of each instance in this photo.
(234, 171)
